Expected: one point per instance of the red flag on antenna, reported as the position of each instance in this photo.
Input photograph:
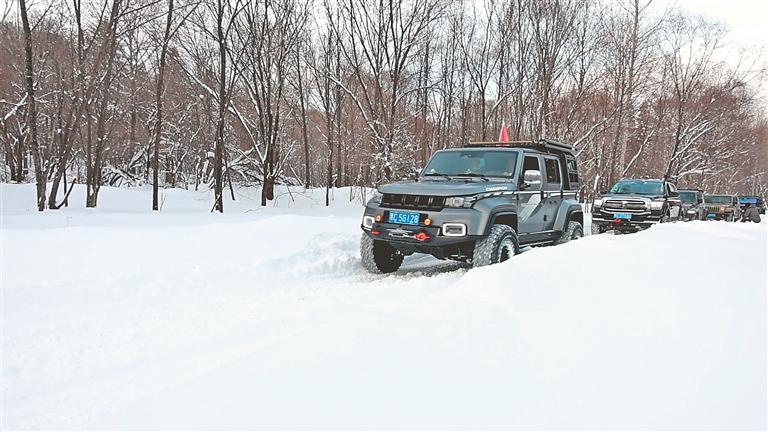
(503, 133)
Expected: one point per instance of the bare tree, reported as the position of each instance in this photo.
(32, 108)
(160, 88)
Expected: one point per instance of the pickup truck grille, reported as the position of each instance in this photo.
(624, 206)
(415, 202)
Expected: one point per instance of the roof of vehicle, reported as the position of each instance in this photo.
(639, 179)
(543, 144)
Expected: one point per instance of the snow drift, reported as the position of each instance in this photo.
(266, 319)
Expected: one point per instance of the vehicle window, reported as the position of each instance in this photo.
(473, 163)
(553, 170)
(688, 197)
(717, 199)
(641, 187)
(531, 163)
(573, 175)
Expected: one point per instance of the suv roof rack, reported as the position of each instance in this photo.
(542, 143)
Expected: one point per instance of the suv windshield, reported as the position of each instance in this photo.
(747, 200)
(472, 163)
(640, 187)
(688, 197)
(718, 199)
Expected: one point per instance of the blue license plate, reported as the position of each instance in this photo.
(403, 218)
(622, 215)
(711, 216)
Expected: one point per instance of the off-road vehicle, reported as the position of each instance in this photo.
(754, 201)
(634, 204)
(692, 205)
(722, 207)
(477, 204)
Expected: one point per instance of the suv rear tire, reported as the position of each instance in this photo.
(379, 256)
(498, 246)
(574, 231)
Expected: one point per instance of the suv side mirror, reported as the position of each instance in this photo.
(532, 177)
(416, 173)
(674, 193)
(603, 192)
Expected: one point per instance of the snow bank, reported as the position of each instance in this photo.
(266, 319)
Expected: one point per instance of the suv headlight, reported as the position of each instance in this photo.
(457, 202)
(657, 205)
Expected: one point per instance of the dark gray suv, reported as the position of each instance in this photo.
(476, 204)
(693, 208)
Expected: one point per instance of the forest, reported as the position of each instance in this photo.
(329, 93)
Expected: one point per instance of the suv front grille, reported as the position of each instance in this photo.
(716, 208)
(625, 206)
(416, 202)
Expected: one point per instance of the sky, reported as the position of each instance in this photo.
(747, 22)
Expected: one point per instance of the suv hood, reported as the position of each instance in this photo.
(445, 188)
(630, 197)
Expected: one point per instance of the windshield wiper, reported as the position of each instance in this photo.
(474, 175)
(437, 175)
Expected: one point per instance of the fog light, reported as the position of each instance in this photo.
(427, 221)
(368, 222)
(454, 230)
(378, 218)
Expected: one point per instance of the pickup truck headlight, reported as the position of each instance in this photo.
(657, 205)
(597, 203)
(458, 202)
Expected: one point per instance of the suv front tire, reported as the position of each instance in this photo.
(498, 246)
(574, 231)
(379, 256)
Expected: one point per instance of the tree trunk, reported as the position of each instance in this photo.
(32, 109)
(218, 162)
(159, 107)
(302, 105)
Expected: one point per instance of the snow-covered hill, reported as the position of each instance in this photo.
(264, 318)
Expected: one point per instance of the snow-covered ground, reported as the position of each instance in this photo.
(118, 318)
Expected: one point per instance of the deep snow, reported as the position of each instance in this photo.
(264, 318)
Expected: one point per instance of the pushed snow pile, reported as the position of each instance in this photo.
(266, 319)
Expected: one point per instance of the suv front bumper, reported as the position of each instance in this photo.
(640, 220)
(406, 234)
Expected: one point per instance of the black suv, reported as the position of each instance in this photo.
(634, 204)
(476, 204)
(692, 205)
